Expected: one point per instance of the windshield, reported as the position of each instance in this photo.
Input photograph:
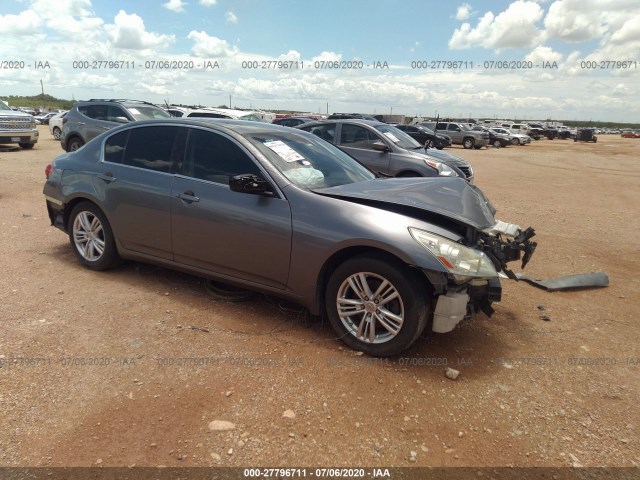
(3, 106)
(147, 112)
(425, 129)
(309, 162)
(398, 137)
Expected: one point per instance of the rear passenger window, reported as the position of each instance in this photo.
(151, 148)
(114, 147)
(213, 157)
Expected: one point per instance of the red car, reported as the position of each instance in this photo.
(631, 134)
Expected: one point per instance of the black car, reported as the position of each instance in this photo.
(348, 116)
(292, 121)
(585, 135)
(425, 136)
(498, 139)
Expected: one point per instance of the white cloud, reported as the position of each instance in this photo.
(291, 55)
(205, 45)
(543, 54)
(230, 17)
(25, 23)
(327, 57)
(513, 28)
(629, 32)
(155, 89)
(574, 20)
(62, 8)
(69, 17)
(463, 12)
(89, 27)
(208, 3)
(129, 32)
(622, 90)
(175, 5)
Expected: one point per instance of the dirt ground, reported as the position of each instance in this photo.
(132, 366)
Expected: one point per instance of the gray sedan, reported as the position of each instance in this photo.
(384, 148)
(283, 212)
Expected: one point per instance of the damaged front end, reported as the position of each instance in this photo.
(472, 282)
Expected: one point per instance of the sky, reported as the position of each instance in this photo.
(522, 59)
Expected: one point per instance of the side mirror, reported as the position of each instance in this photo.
(249, 183)
(380, 147)
(121, 120)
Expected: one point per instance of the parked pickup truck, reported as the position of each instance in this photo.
(17, 127)
(460, 134)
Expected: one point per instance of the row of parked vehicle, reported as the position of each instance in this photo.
(289, 212)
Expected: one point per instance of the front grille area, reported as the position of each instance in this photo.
(11, 123)
(466, 170)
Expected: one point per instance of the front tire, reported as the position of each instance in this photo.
(91, 237)
(377, 305)
(497, 143)
(515, 141)
(468, 143)
(27, 146)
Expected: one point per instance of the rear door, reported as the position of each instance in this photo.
(213, 228)
(135, 179)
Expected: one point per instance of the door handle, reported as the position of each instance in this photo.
(107, 177)
(188, 197)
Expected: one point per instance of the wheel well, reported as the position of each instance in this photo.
(408, 173)
(339, 257)
(71, 205)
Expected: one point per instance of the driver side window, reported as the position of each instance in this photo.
(356, 136)
(215, 158)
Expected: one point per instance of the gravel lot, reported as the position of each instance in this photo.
(134, 366)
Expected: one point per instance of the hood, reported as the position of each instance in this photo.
(438, 156)
(446, 157)
(453, 198)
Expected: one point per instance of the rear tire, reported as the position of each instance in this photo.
(91, 237)
(377, 305)
(74, 144)
(56, 133)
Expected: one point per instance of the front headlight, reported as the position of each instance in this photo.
(443, 170)
(457, 259)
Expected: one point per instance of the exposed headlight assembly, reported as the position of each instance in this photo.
(463, 262)
(443, 170)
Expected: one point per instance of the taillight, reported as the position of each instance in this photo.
(48, 169)
(64, 120)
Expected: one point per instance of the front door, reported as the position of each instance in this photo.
(236, 234)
